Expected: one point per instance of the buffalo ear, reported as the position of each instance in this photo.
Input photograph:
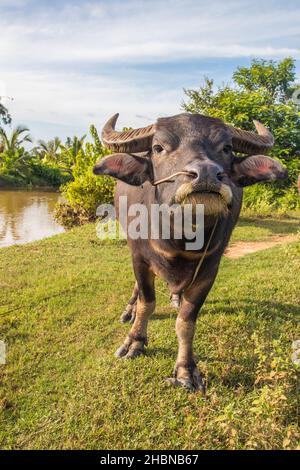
(131, 169)
(255, 169)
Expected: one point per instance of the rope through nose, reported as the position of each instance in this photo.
(169, 178)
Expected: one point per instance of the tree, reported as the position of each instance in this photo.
(16, 139)
(70, 151)
(4, 114)
(262, 91)
(275, 78)
(74, 144)
(48, 151)
(14, 157)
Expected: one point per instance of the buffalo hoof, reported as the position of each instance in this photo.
(129, 314)
(188, 377)
(130, 349)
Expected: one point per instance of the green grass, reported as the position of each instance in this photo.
(253, 229)
(62, 387)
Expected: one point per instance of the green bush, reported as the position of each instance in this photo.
(264, 199)
(50, 175)
(10, 181)
(86, 192)
(33, 174)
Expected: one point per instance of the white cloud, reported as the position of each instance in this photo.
(74, 100)
(146, 32)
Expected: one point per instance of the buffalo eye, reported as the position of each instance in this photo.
(227, 149)
(157, 148)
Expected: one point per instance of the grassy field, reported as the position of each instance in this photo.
(60, 301)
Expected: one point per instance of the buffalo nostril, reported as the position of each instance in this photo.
(220, 176)
(193, 174)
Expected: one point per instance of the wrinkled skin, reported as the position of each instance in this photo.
(203, 147)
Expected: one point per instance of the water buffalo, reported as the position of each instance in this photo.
(200, 151)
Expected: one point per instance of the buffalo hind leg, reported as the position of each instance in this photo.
(130, 310)
(136, 340)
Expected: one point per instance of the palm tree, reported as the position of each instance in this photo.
(14, 155)
(49, 150)
(70, 150)
(74, 145)
(15, 140)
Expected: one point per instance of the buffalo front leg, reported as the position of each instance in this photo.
(136, 339)
(186, 373)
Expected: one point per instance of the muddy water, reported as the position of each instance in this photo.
(26, 216)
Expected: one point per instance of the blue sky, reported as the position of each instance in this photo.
(68, 64)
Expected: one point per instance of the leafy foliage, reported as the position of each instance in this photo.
(14, 158)
(48, 151)
(4, 115)
(56, 154)
(70, 151)
(19, 166)
(262, 91)
(86, 191)
(48, 163)
(52, 175)
(54, 163)
(276, 79)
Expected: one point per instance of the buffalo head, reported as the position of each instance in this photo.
(199, 149)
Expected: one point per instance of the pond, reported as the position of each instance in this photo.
(26, 216)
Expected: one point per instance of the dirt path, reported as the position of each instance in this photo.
(239, 249)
